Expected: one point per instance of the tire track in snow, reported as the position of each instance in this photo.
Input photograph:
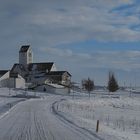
(38, 131)
(8, 133)
(36, 120)
(72, 124)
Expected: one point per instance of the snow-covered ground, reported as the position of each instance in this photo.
(36, 119)
(118, 113)
(74, 117)
(7, 101)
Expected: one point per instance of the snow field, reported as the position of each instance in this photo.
(7, 101)
(118, 114)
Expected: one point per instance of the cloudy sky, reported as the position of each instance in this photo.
(88, 38)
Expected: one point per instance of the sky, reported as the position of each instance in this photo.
(88, 38)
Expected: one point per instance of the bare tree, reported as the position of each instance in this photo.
(88, 85)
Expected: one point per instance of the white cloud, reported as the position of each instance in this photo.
(58, 52)
(66, 53)
(54, 23)
(126, 60)
(65, 21)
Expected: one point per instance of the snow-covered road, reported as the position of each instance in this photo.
(34, 119)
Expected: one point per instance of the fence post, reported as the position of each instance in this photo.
(97, 126)
(57, 107)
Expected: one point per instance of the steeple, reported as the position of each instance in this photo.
(25, 55)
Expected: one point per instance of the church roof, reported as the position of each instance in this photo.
(57, 73)
(2, 72)
(13, 74)
(40, 66)
(24, 48)
(20, 66)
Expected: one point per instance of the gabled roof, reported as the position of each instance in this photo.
(60, 73)
(2, 72)
(20, 66)
(24, 48)
(40, 66)
(13, 75)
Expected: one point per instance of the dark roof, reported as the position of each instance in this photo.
(2, 72)
(24, 48)
(40, 66)
(58, 73)
(18, 65)
(13, 75)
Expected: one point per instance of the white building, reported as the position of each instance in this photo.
(12, 80)
(34, 74)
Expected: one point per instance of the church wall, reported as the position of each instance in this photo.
(20, 83)
(26, 57)
(5, 81)
(66, 79)
(13, 83)
(53, 68)
(23, 58)
(29, 56)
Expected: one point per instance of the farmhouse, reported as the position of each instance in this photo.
(29, 74)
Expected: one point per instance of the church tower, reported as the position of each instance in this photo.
(25, 55)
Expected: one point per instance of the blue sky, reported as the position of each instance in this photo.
(86, 37)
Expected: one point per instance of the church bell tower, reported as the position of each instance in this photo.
(25, 55)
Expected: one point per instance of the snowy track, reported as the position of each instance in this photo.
(73, 125)
(35, 120)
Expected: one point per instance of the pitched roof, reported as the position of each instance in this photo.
(18, 65)
(24, 48)
(58, 73)
(13, 75)
(40, 66)
(2, 72)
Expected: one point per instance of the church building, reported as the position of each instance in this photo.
(37, 74)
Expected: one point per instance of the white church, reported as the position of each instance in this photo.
(37, 76)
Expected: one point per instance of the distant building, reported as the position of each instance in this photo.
(34, 74)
